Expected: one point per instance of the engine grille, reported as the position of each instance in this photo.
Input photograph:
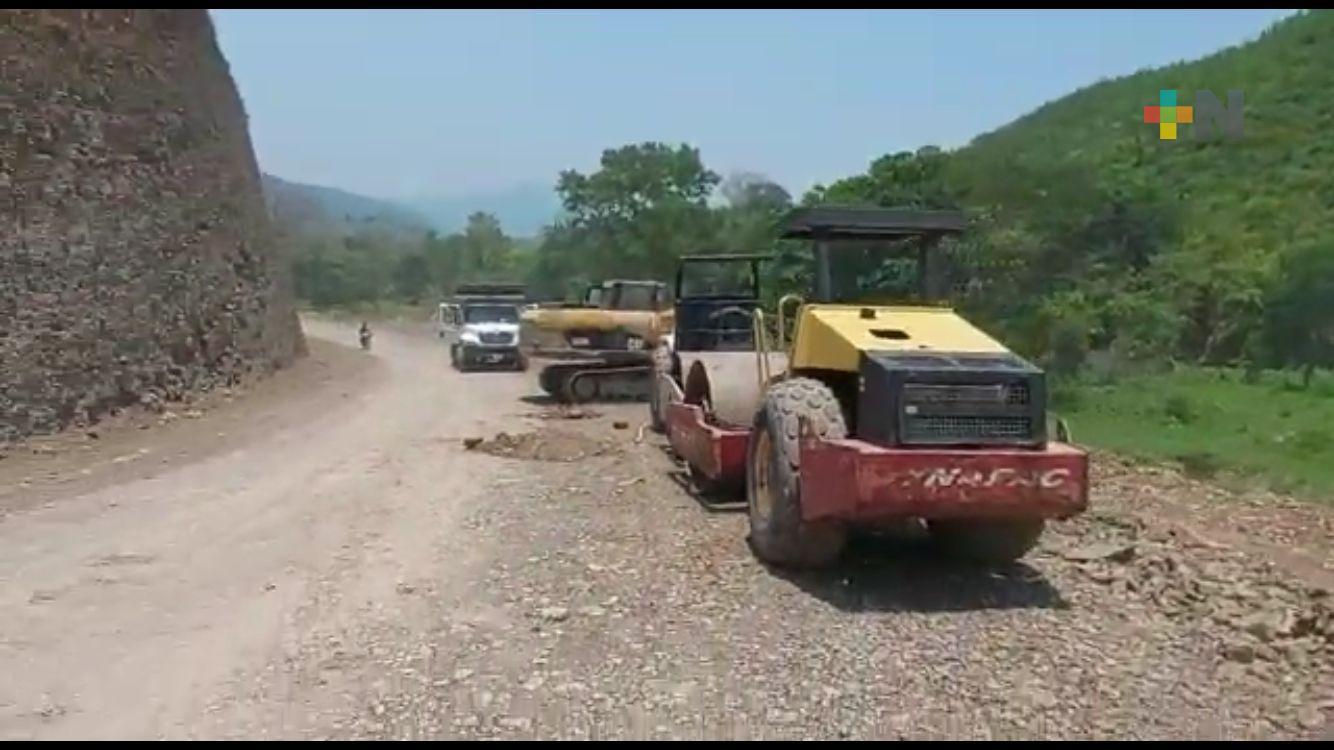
(495, 337)
(950, 399)
(965, 429)
(1014, 394)
(966, 412)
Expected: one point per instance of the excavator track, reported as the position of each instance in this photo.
(582, 382)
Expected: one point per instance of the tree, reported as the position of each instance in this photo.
(329, 272)
(444, 260)
(751, 191)
(412, 277)
(633, 179)
(1300, 309)
(644, 207)
(901, 180)
(485, 247)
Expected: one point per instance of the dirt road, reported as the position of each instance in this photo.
(324, 558)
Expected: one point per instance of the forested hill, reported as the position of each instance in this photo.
(318, 209)
(1158, 247)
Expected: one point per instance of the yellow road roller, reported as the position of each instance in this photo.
(872, 402)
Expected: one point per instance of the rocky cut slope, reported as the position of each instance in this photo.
(137, 263)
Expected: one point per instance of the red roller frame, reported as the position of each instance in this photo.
(855, 480)
(717, 452)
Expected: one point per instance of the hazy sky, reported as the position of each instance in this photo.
(407, 103)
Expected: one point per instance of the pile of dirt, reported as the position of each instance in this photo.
(544, 445)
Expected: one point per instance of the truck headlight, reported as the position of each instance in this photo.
(469, 337)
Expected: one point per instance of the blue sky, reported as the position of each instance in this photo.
(403, 104)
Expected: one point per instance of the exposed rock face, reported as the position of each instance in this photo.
(137, 262)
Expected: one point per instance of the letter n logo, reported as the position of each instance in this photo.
(1212, 119)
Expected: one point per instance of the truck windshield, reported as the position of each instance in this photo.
(490, 314)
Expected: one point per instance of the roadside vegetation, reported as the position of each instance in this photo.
(1243, 430)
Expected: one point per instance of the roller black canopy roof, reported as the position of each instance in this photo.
(853, 222)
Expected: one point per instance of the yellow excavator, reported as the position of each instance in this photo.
(602, 346)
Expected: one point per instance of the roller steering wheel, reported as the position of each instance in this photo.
(724, 333)
(735, 311)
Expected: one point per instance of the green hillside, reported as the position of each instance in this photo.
(1234, 200)
(1088, 221)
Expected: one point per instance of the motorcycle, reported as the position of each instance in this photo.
(365, 340)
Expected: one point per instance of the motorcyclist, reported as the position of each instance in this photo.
(365, 334)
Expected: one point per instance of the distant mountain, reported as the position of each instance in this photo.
(523, 210)
(315, 208)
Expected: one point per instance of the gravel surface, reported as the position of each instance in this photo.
(517, 570)
(629, 609)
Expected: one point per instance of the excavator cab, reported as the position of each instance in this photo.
(593, 296)
(623, 294)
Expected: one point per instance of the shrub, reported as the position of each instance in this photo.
(1180, 409)
(1066, 396)
(1069, 347)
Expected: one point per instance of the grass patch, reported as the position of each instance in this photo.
(1213, 423)
(1179, 409)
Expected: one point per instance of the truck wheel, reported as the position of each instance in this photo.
(773, 479)
(987, 541)
(657, 396)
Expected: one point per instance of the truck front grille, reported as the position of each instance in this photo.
(495, 338)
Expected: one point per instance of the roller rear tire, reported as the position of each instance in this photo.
(778, 534)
